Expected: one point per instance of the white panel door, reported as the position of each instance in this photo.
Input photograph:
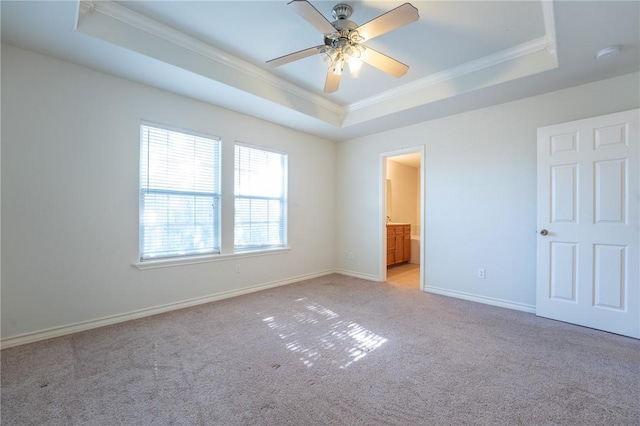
(588, 251)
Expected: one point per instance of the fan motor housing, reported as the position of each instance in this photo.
(345, 29)
(343, 36)
(344, 24)
(341, 11)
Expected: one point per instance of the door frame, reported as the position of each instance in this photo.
(382, 213)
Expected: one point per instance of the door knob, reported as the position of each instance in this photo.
(544, 232)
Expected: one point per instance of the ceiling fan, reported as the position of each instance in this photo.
(343, 40)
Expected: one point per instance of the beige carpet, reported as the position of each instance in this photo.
(329, 351)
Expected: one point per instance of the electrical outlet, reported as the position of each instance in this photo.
(482, 274)
(237, 269)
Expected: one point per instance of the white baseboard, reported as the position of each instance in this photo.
(482, 299)
(358, 275)
(23, 339)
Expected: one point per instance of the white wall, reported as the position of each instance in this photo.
(69, 210)
(405, 199)
(480, 186)
(70, 142)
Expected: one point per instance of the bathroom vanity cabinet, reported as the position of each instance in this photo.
(398, 243)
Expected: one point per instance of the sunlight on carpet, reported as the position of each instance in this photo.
(340, 342)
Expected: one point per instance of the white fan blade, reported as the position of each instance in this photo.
(332, 82)
(293, 56)
(383, 62)
(395, 18)
(312, 16)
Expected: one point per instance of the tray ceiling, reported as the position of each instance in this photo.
(462, 54)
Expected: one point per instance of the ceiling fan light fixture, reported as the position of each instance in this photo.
(343, 38)
(338, 67)
(338, 64)
(336, 54)
(334, 60)
(354, 67)
(349, 51)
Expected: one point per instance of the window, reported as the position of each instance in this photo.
(260, 198)
(179, 193)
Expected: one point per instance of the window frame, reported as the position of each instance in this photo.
(283, 200)
(216, 197)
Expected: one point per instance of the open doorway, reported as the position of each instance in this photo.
(402, 252)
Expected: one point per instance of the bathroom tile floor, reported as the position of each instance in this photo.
(405, 275)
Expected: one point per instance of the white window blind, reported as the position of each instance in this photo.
(260, 198)
(179, 194)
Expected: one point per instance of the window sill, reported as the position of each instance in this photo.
(192, 260)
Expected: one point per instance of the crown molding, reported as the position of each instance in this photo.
(135, 20)
(545, 43)
(537, 55)
(479, 64)
(549, 26)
